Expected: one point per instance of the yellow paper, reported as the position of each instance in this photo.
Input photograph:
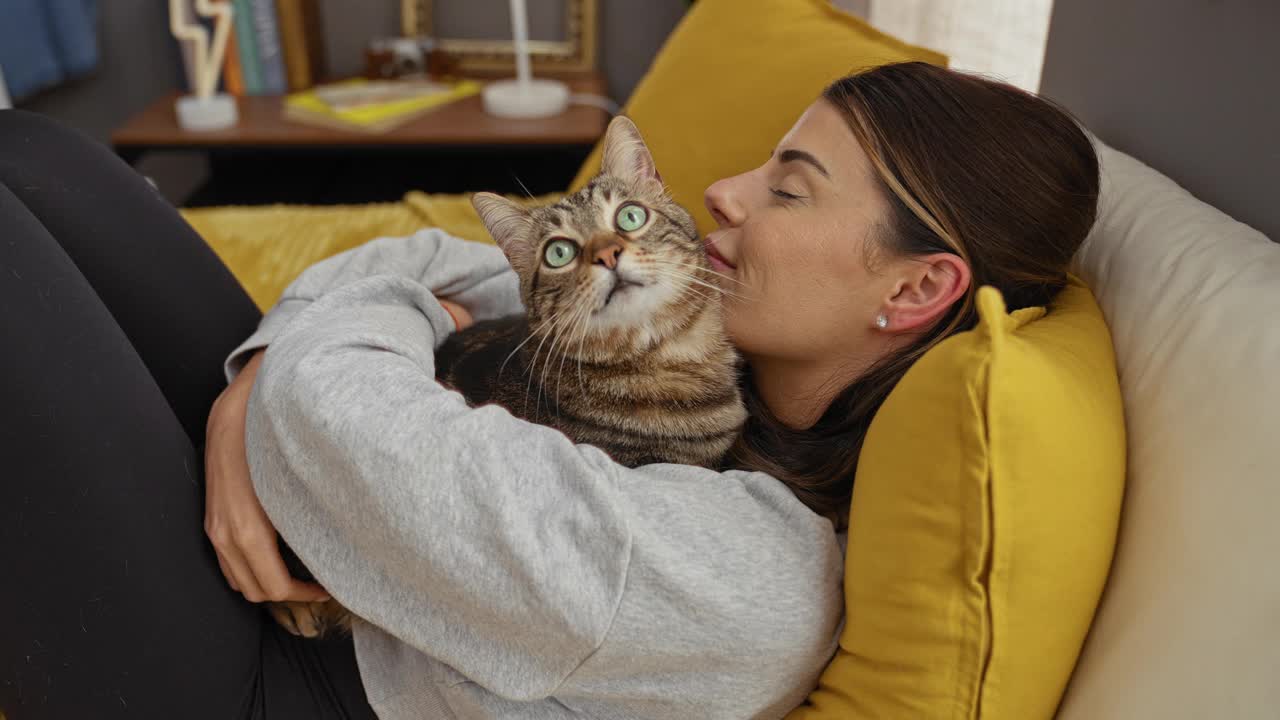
(373, 116)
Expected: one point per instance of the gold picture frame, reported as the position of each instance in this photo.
(576, 53)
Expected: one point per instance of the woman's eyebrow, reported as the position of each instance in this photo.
(802, 156)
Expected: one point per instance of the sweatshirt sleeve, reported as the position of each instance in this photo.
(475, 275)
(457, 530)
(493, 545)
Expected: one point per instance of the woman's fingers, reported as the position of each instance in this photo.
(461, 317)
(273, 577)
(242, 576)
(301, 591)
(255, 569)
(226, 571)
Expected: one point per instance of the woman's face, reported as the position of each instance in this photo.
(793, 242)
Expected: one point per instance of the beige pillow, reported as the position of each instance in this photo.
(1189, 625)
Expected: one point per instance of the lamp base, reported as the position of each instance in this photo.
(539, 98)
(215, 112)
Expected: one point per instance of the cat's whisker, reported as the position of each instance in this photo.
(522, 185)
(672, 273)
(532, 334)
(558, 332)
(707, 270)
(681, 268)
(550, 323)
(681, 265)
(570, 327)
(693, 280)
(696, 267)
(579, 327)
(581, 341)
(690, 289)
(713, 287)
(547, 330)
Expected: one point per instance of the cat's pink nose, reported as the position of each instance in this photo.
(608, 255)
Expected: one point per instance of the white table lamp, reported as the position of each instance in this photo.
(524, 96)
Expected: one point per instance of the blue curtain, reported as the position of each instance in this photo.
(45, 42)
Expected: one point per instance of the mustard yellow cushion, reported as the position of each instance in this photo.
(983, 521)
(267, 246)
(734, 76)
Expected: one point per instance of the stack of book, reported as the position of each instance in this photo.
(373, 105)
(277, 47)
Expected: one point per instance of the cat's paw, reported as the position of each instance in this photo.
(303, 619)
(311, 619)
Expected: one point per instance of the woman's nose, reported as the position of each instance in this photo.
(725, 203)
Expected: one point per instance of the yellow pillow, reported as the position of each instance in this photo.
(983, 521)
(734, 76)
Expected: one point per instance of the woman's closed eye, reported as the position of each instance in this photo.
(786, 195)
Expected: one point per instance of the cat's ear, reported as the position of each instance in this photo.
(625, 154)
(508, 223)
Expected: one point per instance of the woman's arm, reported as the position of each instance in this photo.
(531, 565)
(473, 275)
(241, 533)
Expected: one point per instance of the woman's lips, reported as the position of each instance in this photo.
(718, 263)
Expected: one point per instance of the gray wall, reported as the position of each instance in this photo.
(1191, 87)
(137, 61)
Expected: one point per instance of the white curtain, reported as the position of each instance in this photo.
(1001, 38)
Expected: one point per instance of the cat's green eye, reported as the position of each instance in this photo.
(560, 253)
(631, 217)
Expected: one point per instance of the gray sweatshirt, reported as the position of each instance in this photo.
(500, 570)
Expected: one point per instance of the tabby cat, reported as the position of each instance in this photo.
(622, 345)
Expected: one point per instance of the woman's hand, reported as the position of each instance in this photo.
(461, 318)
(242, 535)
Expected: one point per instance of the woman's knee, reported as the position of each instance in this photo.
(28, 140)
(23, 127)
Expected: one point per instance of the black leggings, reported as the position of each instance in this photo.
(115, 318)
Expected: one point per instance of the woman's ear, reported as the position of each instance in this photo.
(509, 225)
(927, 288)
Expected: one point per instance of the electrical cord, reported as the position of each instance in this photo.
(599, 101)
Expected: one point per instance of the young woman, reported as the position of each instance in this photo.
(499, 569)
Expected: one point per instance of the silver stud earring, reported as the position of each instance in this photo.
(882, 321)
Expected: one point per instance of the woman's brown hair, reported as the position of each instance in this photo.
(998, 176)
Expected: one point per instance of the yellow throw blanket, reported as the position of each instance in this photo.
(267, 246)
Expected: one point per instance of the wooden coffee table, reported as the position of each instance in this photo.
(454, 148)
